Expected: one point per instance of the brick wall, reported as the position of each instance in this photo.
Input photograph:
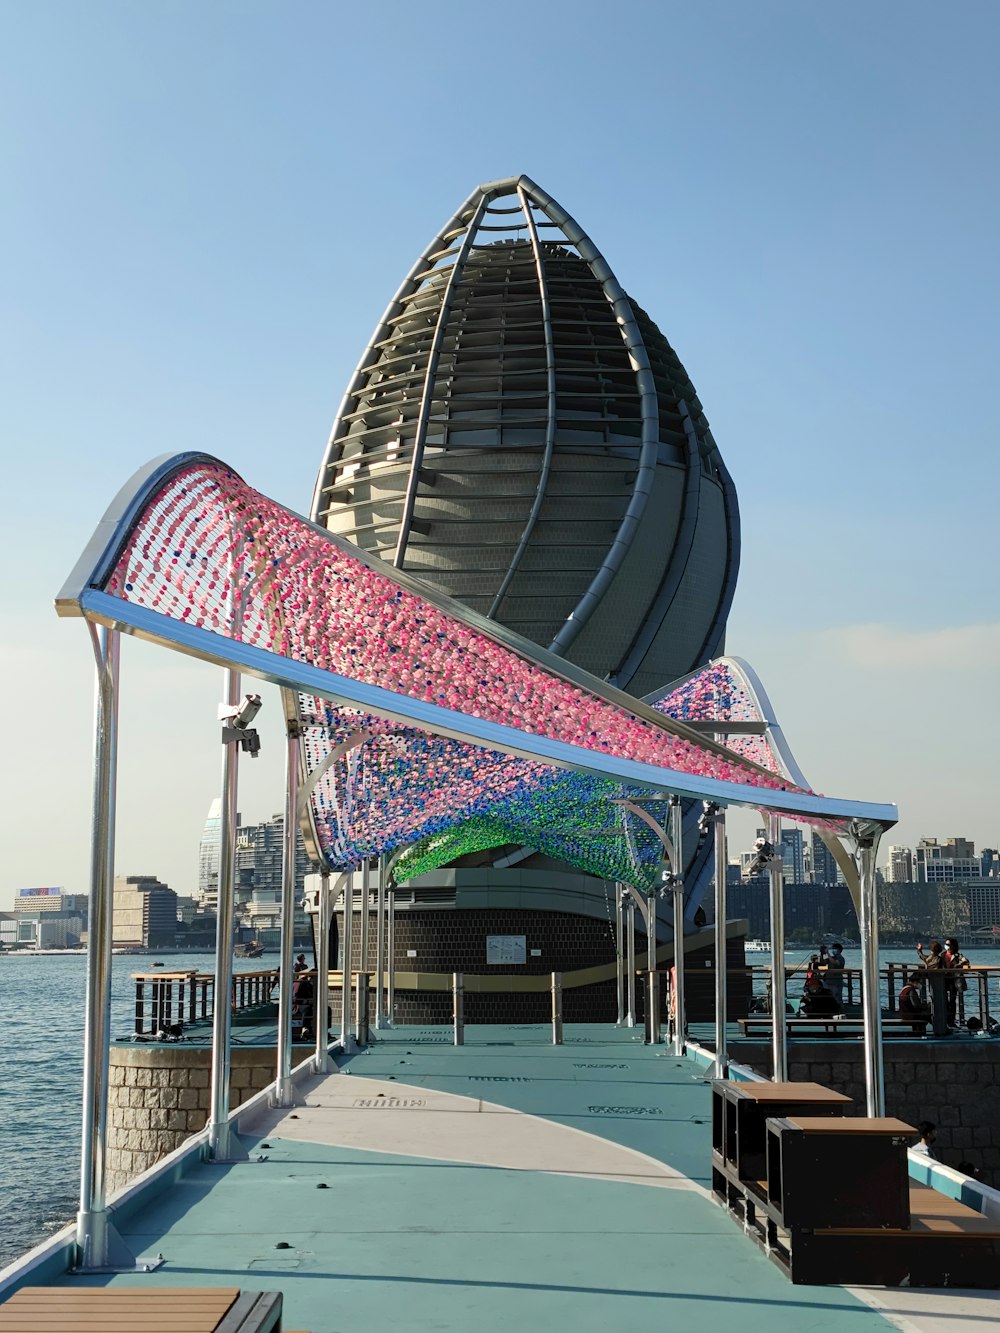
(159, 1095)
(952, 1083)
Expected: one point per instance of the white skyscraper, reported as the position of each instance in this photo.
(208, 857)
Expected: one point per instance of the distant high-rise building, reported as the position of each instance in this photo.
(899, 867)
(145, 913)
(793, 854)
(208, 856)
(259, 850)
(948, 862)
(824, 866)
(989, 863)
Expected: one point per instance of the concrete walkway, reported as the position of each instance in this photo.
(503, 1183)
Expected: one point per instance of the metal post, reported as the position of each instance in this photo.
(620, 954)
(346, 1024)
(99, 1245)
(677, 843)
(630, 961)
(458, 1007)
(391, 959)
(284, 1090)
(321, 1058)
(557, 1018)
(366, 889)
(223, 1145)
(721, 1048)
(361, 1007)
(779, 1029)
(865, 848)
(383, 874)
(653, 1007)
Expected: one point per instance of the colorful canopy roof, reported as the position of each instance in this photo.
(439, 715)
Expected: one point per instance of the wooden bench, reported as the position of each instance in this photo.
(946, 1245)
(76, 1309)
(831, 1027)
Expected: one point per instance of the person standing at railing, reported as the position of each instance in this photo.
(834, 977)
(956, 963)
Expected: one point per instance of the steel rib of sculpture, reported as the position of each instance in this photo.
(460, 717)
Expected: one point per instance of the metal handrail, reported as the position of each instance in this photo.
(167, 999)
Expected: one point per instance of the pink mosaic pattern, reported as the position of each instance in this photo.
(210, 551)
(717, 693)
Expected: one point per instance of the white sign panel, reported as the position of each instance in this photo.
(505, 949)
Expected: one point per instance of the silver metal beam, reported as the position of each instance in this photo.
(366, 889)
(864, 845)
(223, 1144)
(630, 961)
(321, 1057)
(620, 953)
(390, 994)
(347, 944)
(721, 1046)
(383, 872)
(284, 1089)
(779, 1029)
(677, 866)
(99, 1246)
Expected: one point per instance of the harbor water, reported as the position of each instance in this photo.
(41, 1060)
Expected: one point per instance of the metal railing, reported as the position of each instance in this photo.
(974, 1001)
(166, 1000)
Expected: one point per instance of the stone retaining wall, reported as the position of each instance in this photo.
(159, 1095)
(952, 1083)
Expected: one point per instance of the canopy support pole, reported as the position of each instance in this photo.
(366, 889)
(863, 842)
(676, 853)
(346, 1003)
(99, 1246)
(630, 961)
(223, 1143)
(321, 1058)
(721, 987)
(620, 953)
(779, 1028)
(284, 1089)
(383, 872)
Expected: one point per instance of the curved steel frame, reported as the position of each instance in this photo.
(467, 223)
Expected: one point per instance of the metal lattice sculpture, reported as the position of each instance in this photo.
(521, 435)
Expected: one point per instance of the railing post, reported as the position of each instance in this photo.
(284, 1090)
(366, 889)
(652, 1015)
(865, 846)
(458, 1007)
(557, 1018)
(193, 998)
(140, 1007)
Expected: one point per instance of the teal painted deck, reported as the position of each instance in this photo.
(428, 1244)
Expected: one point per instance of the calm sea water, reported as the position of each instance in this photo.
(41, 1076)
(41, 1064)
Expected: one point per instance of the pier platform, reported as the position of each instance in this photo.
(504, 1183)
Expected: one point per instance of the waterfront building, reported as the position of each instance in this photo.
(258, 874)
(823, 864)
(8, 929)
(50, 918)
(793, 855)
(145, 913)
(944, 862)
(899, 867)
(989, 863)
(522, 437)
(984, 902)
(50, 902)
(208, 857)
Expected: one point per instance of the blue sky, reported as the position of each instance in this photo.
(206, 208)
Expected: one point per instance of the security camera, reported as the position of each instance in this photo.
(240, 716)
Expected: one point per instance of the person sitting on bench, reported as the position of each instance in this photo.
(911, 1003)
(817, 1000)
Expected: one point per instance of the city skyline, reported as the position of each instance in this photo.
(806, 270)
